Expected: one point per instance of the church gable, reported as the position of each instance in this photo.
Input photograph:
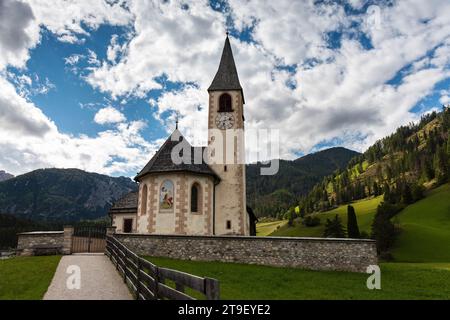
(162, 160)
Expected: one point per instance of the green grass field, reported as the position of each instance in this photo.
(398, 281)
(365, 211)
(26, 278)
(265, 228)
(425, 225)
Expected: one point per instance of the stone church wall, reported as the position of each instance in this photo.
(179, 220)
(309, 253)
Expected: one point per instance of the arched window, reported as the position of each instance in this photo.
(144, 200)
(166, 196)
(196, 198)
(225, 104)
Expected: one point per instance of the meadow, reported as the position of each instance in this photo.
(365, 211)
(425, 229)
(247, 282)
(26, 278)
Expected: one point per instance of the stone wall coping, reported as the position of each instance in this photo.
(40, 233)
(230, 237)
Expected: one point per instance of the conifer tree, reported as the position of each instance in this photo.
(334, 228)
(352, 223)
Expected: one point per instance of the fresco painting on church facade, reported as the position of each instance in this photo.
(166, 196)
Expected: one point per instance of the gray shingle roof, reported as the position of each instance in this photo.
(127, 204)
(226, 77)
(162, 160)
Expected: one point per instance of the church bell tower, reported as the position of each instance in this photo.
(226, 147)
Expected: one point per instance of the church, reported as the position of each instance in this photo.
(196, 197)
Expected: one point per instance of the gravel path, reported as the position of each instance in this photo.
(99, 279)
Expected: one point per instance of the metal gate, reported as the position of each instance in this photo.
(89, 239)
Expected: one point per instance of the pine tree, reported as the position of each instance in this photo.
(334, 228)
(407, 195)
(352, 223)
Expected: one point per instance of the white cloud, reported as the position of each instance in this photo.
(18, 33)
(73, 59)
(344, 93)
(30, 140)
(109, 115)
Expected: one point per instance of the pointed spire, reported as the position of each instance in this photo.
(226, 77)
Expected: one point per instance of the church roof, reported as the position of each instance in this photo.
(162, 160)
(226, 77)
(127, 204)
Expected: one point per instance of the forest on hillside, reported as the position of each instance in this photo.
(400, 168)
(415, 157)
(274, 195)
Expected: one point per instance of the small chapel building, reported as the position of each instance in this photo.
(193, 197)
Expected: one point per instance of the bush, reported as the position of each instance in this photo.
(417, 192)
(334, 228)
(311, 221)
(364, 235)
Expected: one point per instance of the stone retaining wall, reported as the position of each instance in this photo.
(28, 240)
(310, 253)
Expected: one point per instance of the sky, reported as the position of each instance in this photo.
(97, 84)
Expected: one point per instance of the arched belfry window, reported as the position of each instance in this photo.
(225, 104)
(144, 200)
(195, 198)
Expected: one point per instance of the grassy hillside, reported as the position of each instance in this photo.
(365, 211)
(266, 228)
(425, 227)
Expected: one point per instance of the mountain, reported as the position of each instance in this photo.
(400, 166)
(61, 194)
(5, 175)
(271, 195)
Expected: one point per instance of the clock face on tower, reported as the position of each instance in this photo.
(225, 120)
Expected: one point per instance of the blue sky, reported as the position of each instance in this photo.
(96, 86)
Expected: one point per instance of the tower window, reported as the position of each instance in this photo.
(228, 224)
(225, 168)
(144, 200)
(225, 104)
(195, 198)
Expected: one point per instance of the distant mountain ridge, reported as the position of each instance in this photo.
(5, 175)
(270, 195)
(62, 194)
(73, 194)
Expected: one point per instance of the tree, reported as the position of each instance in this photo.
(352, 224)
(417, 192)
(334, 228)
(407, 197)
(383, 230)
(291, 217)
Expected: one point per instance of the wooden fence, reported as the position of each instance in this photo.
(150, 282)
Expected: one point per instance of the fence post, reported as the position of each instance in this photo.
(156, 283)
(124, 266)
(212, 290)
(138, 277)
(68, 238)
(110, 231)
